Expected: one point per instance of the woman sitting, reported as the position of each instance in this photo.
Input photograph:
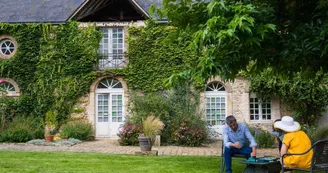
(294, 141)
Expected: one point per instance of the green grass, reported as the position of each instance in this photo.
(63, 162)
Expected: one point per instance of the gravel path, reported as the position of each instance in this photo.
(111, 146)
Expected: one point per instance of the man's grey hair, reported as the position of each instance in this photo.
(230, 119)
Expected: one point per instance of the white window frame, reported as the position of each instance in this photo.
(110, 91)
(7, 45)
(10, 87)
(260, 108)
(217, 91)
(112, 48)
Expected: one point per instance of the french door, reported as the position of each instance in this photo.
(109, 114)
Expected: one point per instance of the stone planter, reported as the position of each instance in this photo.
(145, 143)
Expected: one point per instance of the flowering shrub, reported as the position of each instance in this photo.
(190, 132)
(79, 129)
(129, 134)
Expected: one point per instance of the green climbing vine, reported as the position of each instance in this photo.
(153, 58)
(307, 97)
(53, 66)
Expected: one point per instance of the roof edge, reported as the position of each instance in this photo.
(139, 8)
(38, 22)
(77, 10)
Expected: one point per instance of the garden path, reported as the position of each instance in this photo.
(111, 146)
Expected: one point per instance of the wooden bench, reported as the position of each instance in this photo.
(319, 158)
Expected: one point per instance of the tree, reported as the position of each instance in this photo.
(227, 35)
(280, 44)
(288, 36)
(307, 98)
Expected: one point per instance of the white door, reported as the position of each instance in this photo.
(102, 125)
(109, 108)
(216, 106)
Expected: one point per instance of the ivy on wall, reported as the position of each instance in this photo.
(153, 58)
(307, 97)
(53, 66)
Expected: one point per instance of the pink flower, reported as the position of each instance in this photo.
(1, 80)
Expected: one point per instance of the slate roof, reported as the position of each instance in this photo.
(48, 11)
(145, 4)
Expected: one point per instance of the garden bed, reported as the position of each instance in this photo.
(60, 142)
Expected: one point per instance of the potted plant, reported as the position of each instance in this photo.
(151, 126)
(50, 126)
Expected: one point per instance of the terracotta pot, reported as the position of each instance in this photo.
(49, 138)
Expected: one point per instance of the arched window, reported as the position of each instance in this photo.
(215, 104)
(215, 87)
(109, 83)
(8, 87)
(109, 107)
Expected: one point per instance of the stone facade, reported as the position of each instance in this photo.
(238, 95)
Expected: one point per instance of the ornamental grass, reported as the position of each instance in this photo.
(152, 126)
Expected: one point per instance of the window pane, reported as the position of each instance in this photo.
(215, 110)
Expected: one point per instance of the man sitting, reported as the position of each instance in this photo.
(236, 136)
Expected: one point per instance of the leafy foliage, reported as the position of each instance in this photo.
(321, 133)
(264, 139)
(288, 36)
(79, 129)
(176, 108)
(53, 66)
(129, 134)
(226, 35)
(51, 123)
(190, 132)
(307, 97)
(153, 57)
(22, 129)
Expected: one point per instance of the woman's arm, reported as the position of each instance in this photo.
(283, 151)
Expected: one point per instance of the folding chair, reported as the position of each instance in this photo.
(319, 159)
(222, 157)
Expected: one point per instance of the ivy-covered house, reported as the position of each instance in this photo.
(107, 93)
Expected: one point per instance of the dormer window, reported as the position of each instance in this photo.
(8, 47)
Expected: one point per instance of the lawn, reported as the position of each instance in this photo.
(63, 162)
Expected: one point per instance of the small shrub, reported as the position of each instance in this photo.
(79, 129)
(129, 134)
(190, 132)
(321, 133)
(309, 130)
(22, 129)
(263, 138)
